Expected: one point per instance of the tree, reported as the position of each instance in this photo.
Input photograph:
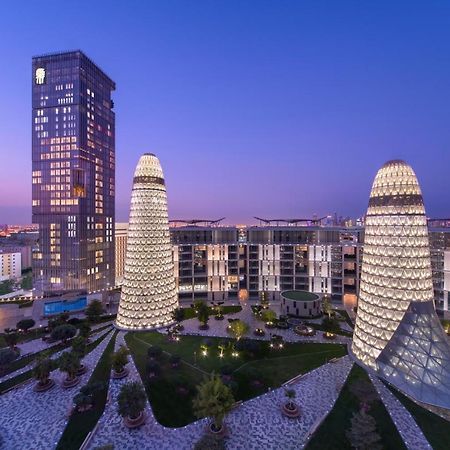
(238, 328)
(290, 394)
(85, 330)
(331, 324)
(154, 352)
(41, 371)
(85, 398)
(25, 324)
(326, 306)
(202, 312)
(267, 315)
(94, 310)
(63, 333)
(7, 356)
(79, 346)
(213, 400)
(11, 340)
(69, 362)
(131, 399)
(120, 359)
(178, 315)
(362, 434)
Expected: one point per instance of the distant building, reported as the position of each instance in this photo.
(73, 177)
(121, 250)
(10, 265)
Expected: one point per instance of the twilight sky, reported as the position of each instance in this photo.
(268, 108)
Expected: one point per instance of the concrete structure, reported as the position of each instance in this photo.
(397, 332)
(73, 174)
(10, 265)
(301, 304)
(148, 291)
(121, 250)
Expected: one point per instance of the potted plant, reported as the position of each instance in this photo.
(69, 362)
(154, 352)
(41, 371)
(131, 404)
(119, 361)
(214, 400)
(290, 408)
(79, 347)
(84, 400)
(63, 333)
(85, 330)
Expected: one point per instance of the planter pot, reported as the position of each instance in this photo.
(82, 370)
(289, 411)
(38, 387)
(119, 375)
(70, 383)
(203, 327)
(134, 423)
(220, 433)
(219, 317)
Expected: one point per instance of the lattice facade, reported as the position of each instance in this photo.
(148, 291)
(396, 267)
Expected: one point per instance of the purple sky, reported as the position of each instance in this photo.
(267, 108)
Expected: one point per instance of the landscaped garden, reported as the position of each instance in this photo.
(358, 420)
(172, 369)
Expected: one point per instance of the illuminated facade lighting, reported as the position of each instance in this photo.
(148, 291)
(397, 331)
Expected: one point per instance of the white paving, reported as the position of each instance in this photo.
(410, 432)
(37, 420)
(256, 424)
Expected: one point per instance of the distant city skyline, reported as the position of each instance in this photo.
(272, 110)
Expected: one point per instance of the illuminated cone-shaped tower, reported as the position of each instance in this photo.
(397, 331)
(148, 291)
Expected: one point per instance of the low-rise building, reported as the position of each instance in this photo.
(10, 265)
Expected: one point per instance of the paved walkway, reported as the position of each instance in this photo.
(256, 424)
(56, 355)
(37, 421)
(36, 345)
(217, 328)
(406, 425)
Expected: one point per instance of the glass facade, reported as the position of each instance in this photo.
(73, 174)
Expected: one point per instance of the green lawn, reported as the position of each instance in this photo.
(189, 313)
(331, 433)
(435, 428)
(171, 393)
(16, 365)
(80, 424)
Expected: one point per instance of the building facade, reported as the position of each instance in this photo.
(10, 265)
(121, 231)
(73, 174)
(149, 295)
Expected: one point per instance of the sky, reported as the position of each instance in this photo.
(255, 108)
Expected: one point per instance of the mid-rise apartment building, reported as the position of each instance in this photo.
(10, 265)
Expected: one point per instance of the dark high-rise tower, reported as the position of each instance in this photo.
(73, 151)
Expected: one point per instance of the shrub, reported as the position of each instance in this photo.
(94, 310)
(63, 333)
(120, 359)
(154, 352)
(74, 321)
(214, 400)
(153, 369)
(41, 371)
(7, 356)
(85, 329)
(238, 329)
(25, 324)
(267, 315)
(11, 340)
(69, 362)
(175, 360)
(131, 399)
(178, 315)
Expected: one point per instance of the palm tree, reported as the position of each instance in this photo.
(213, 400)
(41, 371)
(131, 403)
(120, 359)
(69, 362)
